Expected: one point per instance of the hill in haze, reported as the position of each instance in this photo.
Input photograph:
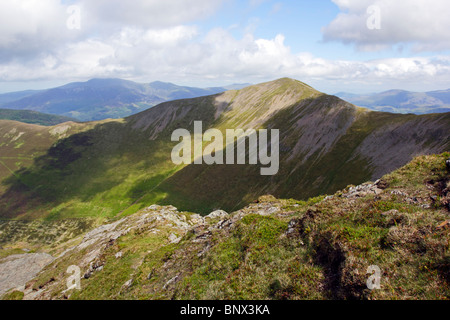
(14, 96)
(401, 101)
(33, 117)
(116, 167)
(99, 99)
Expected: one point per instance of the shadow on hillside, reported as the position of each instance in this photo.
(80, 167)
(121, 164)
(110, 166)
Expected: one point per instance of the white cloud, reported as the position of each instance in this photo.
(147, 13)
(180, 53)
(27, 17)
(32, 27)
(42, 48)
(423, 23)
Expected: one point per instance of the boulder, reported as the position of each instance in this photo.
(217, 214)
(173, 238)
(127, 285)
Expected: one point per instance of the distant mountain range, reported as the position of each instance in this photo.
(401, 101)
(14, 96)
(99, 99)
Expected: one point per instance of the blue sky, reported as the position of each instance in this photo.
(325, 43)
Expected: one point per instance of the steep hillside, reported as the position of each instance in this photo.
(99, 99)
(33, 117)
(401, 101)
(323, 248)
(118, 167)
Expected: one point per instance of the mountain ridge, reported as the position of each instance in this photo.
(119, 166)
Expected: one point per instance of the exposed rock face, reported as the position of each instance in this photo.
(17, 270)
(152, 217)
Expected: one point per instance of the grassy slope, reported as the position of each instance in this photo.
(117, 167)
(319, 249)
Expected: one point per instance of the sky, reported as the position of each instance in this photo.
(357, 46)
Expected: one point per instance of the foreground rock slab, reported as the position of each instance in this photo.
(17, 270)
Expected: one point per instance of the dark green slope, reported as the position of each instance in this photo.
(117, 167)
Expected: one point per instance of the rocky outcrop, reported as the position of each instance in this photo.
(155, 221)
(217, 214)
(364, 190)
(88, 255)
